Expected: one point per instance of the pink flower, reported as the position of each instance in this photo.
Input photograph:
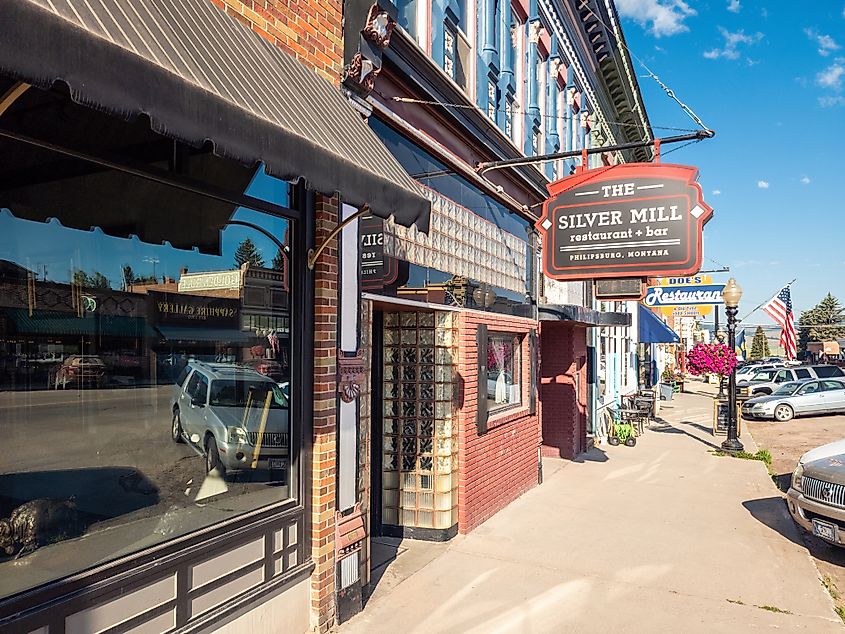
(711, 358)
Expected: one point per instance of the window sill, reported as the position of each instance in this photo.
(507, 415)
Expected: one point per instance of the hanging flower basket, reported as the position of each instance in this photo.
(711, 358)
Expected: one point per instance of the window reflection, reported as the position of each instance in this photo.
(144, 387)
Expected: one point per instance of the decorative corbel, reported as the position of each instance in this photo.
(351, 370)
(379, 27)
(534, 29)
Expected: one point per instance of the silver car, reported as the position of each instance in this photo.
(797, 398)
(816, 497)
(236, 417)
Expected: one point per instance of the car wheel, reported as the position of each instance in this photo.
(784, 413)
(212, 456)
(176, 427)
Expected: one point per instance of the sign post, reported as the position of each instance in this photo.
(630, 220)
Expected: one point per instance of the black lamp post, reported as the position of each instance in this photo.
(731, 296)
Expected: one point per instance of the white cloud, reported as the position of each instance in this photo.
(716, 192)
(733, 40)
(805, 180)
(826, 44)
(831, 77)
(662, 17)
(763, 184)
(733, 6)
(831, 102)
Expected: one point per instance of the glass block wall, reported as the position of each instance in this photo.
(420, 462)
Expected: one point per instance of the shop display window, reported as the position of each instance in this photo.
(141, 398)
(504, 371)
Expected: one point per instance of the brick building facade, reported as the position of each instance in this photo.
(266, 567)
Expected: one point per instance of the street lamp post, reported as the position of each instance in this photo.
(720, 338)
(731, 296)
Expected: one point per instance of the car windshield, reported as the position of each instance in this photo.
(787, 389)
(764, 375)
(245, 393)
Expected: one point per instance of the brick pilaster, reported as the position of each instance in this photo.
(323, 494)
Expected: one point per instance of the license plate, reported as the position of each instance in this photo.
(824, 530)
(277, 463)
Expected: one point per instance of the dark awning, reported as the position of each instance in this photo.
(206, 335)
(59, 324)
(200, 76)
(653, 330)
(582, 316)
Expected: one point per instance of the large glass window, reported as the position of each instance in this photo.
(504, 371)
(144, 357)
(407, 17)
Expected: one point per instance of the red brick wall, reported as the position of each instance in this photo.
(310, 30)
(324, 469)
(563, 414)
(500, 465)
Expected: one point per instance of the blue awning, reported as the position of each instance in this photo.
(653, 330)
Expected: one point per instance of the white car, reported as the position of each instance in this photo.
(816, 497)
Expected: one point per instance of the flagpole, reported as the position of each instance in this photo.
(767, 301)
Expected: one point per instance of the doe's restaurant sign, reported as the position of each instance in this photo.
(629, 220)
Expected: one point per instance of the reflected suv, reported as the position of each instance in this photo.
(236, 417)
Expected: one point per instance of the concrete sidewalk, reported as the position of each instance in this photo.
(661, 537)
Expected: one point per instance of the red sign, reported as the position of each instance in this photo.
(629, 220)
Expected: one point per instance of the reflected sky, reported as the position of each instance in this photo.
(54, 251)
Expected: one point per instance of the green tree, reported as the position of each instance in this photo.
(760, 345)
(128, 276)
(97, 280)
(823, 322)
(248, 252)
(279, 261)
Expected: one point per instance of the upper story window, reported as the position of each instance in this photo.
(407, 16)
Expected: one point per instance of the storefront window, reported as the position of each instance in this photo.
(141, 397)
(504, 384)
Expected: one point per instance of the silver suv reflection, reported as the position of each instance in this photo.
(237, 418)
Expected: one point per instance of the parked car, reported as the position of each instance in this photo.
(745, 373)
(267, 367)
(80, 369)
(798, 398)
(219, 408)
(767, 381)
(816, 497)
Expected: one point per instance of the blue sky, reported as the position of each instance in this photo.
(769, 78)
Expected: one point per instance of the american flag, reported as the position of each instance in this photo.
(779, 308)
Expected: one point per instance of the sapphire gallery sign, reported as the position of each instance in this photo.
(630, 220)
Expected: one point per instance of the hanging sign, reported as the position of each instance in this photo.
(684, 296)
(630, 220)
